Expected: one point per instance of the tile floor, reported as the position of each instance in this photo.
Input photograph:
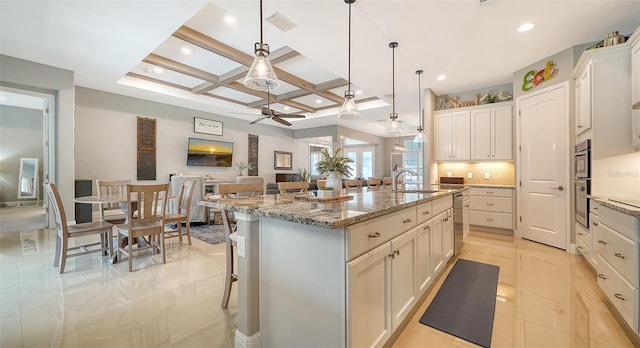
(546, 298)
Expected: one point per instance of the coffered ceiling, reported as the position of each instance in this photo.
(194, 54)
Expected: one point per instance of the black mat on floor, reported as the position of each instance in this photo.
(465, 304)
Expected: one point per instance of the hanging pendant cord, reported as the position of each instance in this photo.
(419, 101)
(260, 22)
(393, 78)
(349, 75)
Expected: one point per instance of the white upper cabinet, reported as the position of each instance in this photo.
(453, 136)
(603, 100)
(583, 101)
(634, 41)
(492, 133)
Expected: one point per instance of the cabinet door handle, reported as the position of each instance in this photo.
(595, 224)
(397, 252)
(620, 297)
(619, 255)
(489, 204)
(489, 219)
(391, 256)
(375, 235)
(406, 221)
(489, 192)
(602, 242)
(426, 227)
(580, 234)
(601, 276)
(580, 126)
(425, 212)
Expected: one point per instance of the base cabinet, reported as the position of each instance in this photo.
(491, 207)
(369, 295)
(385, 283)
(617, 245)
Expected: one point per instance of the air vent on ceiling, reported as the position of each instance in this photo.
(280, 21)
(487, 2)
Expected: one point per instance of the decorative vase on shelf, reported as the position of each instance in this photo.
(333, 180)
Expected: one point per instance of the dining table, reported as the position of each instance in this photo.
(123, 200)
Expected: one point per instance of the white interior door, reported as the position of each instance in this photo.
(543, 194)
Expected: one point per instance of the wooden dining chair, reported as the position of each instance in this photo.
(293, 186)
(374, 182)
(387, 180)
(182, 213)
(351, 184)
(66, 232)
(147, 220)
(321, 183)
(230, 235)
(112, 212)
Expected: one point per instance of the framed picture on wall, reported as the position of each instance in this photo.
(202, 125)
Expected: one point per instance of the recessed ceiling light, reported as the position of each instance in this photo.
(231, 20)
(185, 51)
(526, 27)
(147, 70)
(158, 70)
(441, 77)
(359, 92)
(318, 101)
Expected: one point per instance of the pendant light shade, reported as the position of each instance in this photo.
(261, 75)
(349, 110)
(420, 137)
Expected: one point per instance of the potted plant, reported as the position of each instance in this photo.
(325, 192)
(334, 167)
(304, 174)
(241, 167)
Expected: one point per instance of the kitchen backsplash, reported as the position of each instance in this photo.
(617, 176)
(500, 173)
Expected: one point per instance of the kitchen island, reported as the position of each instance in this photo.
(336, 274)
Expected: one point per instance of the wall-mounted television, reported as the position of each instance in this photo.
(209, 153)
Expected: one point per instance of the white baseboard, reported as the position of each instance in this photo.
(242, 341)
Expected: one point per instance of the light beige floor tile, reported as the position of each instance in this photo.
(11, 331)
(507, 332)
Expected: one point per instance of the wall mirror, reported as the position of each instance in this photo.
(282, 160)
(28, 178)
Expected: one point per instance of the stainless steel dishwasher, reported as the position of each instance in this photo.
(460, 220)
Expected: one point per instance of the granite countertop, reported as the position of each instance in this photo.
(624, 208)
(367, 203)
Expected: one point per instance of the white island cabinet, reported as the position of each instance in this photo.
(345, 276)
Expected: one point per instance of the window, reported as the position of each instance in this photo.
(414, 160)
(363, 161)
(315, 157)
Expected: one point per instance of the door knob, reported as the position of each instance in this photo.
(559, 188)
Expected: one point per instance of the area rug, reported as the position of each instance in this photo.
(465, 304)
(212, 234)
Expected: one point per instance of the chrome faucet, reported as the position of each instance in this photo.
(394, 182)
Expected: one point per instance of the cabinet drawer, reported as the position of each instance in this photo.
(424, 212)
(495, 204)
(367, 235)
(583, 234)
(594, 207)
(620, 251)
(618, 221)
(489, 219)
(494, 192)
(441, 204)
(622, 294)
(583, 248)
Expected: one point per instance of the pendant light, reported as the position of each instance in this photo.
(420, 137)
(349, 110)
(261, 75)
(393, 116)
(395, 123)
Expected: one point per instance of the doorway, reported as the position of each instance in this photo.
(363, 161)
(17, 102)
(543, 166)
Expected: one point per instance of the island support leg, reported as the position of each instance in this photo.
(248, 331)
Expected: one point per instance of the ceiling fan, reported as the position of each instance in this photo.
(267, 112)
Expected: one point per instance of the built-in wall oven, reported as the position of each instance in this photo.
(582, 182)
